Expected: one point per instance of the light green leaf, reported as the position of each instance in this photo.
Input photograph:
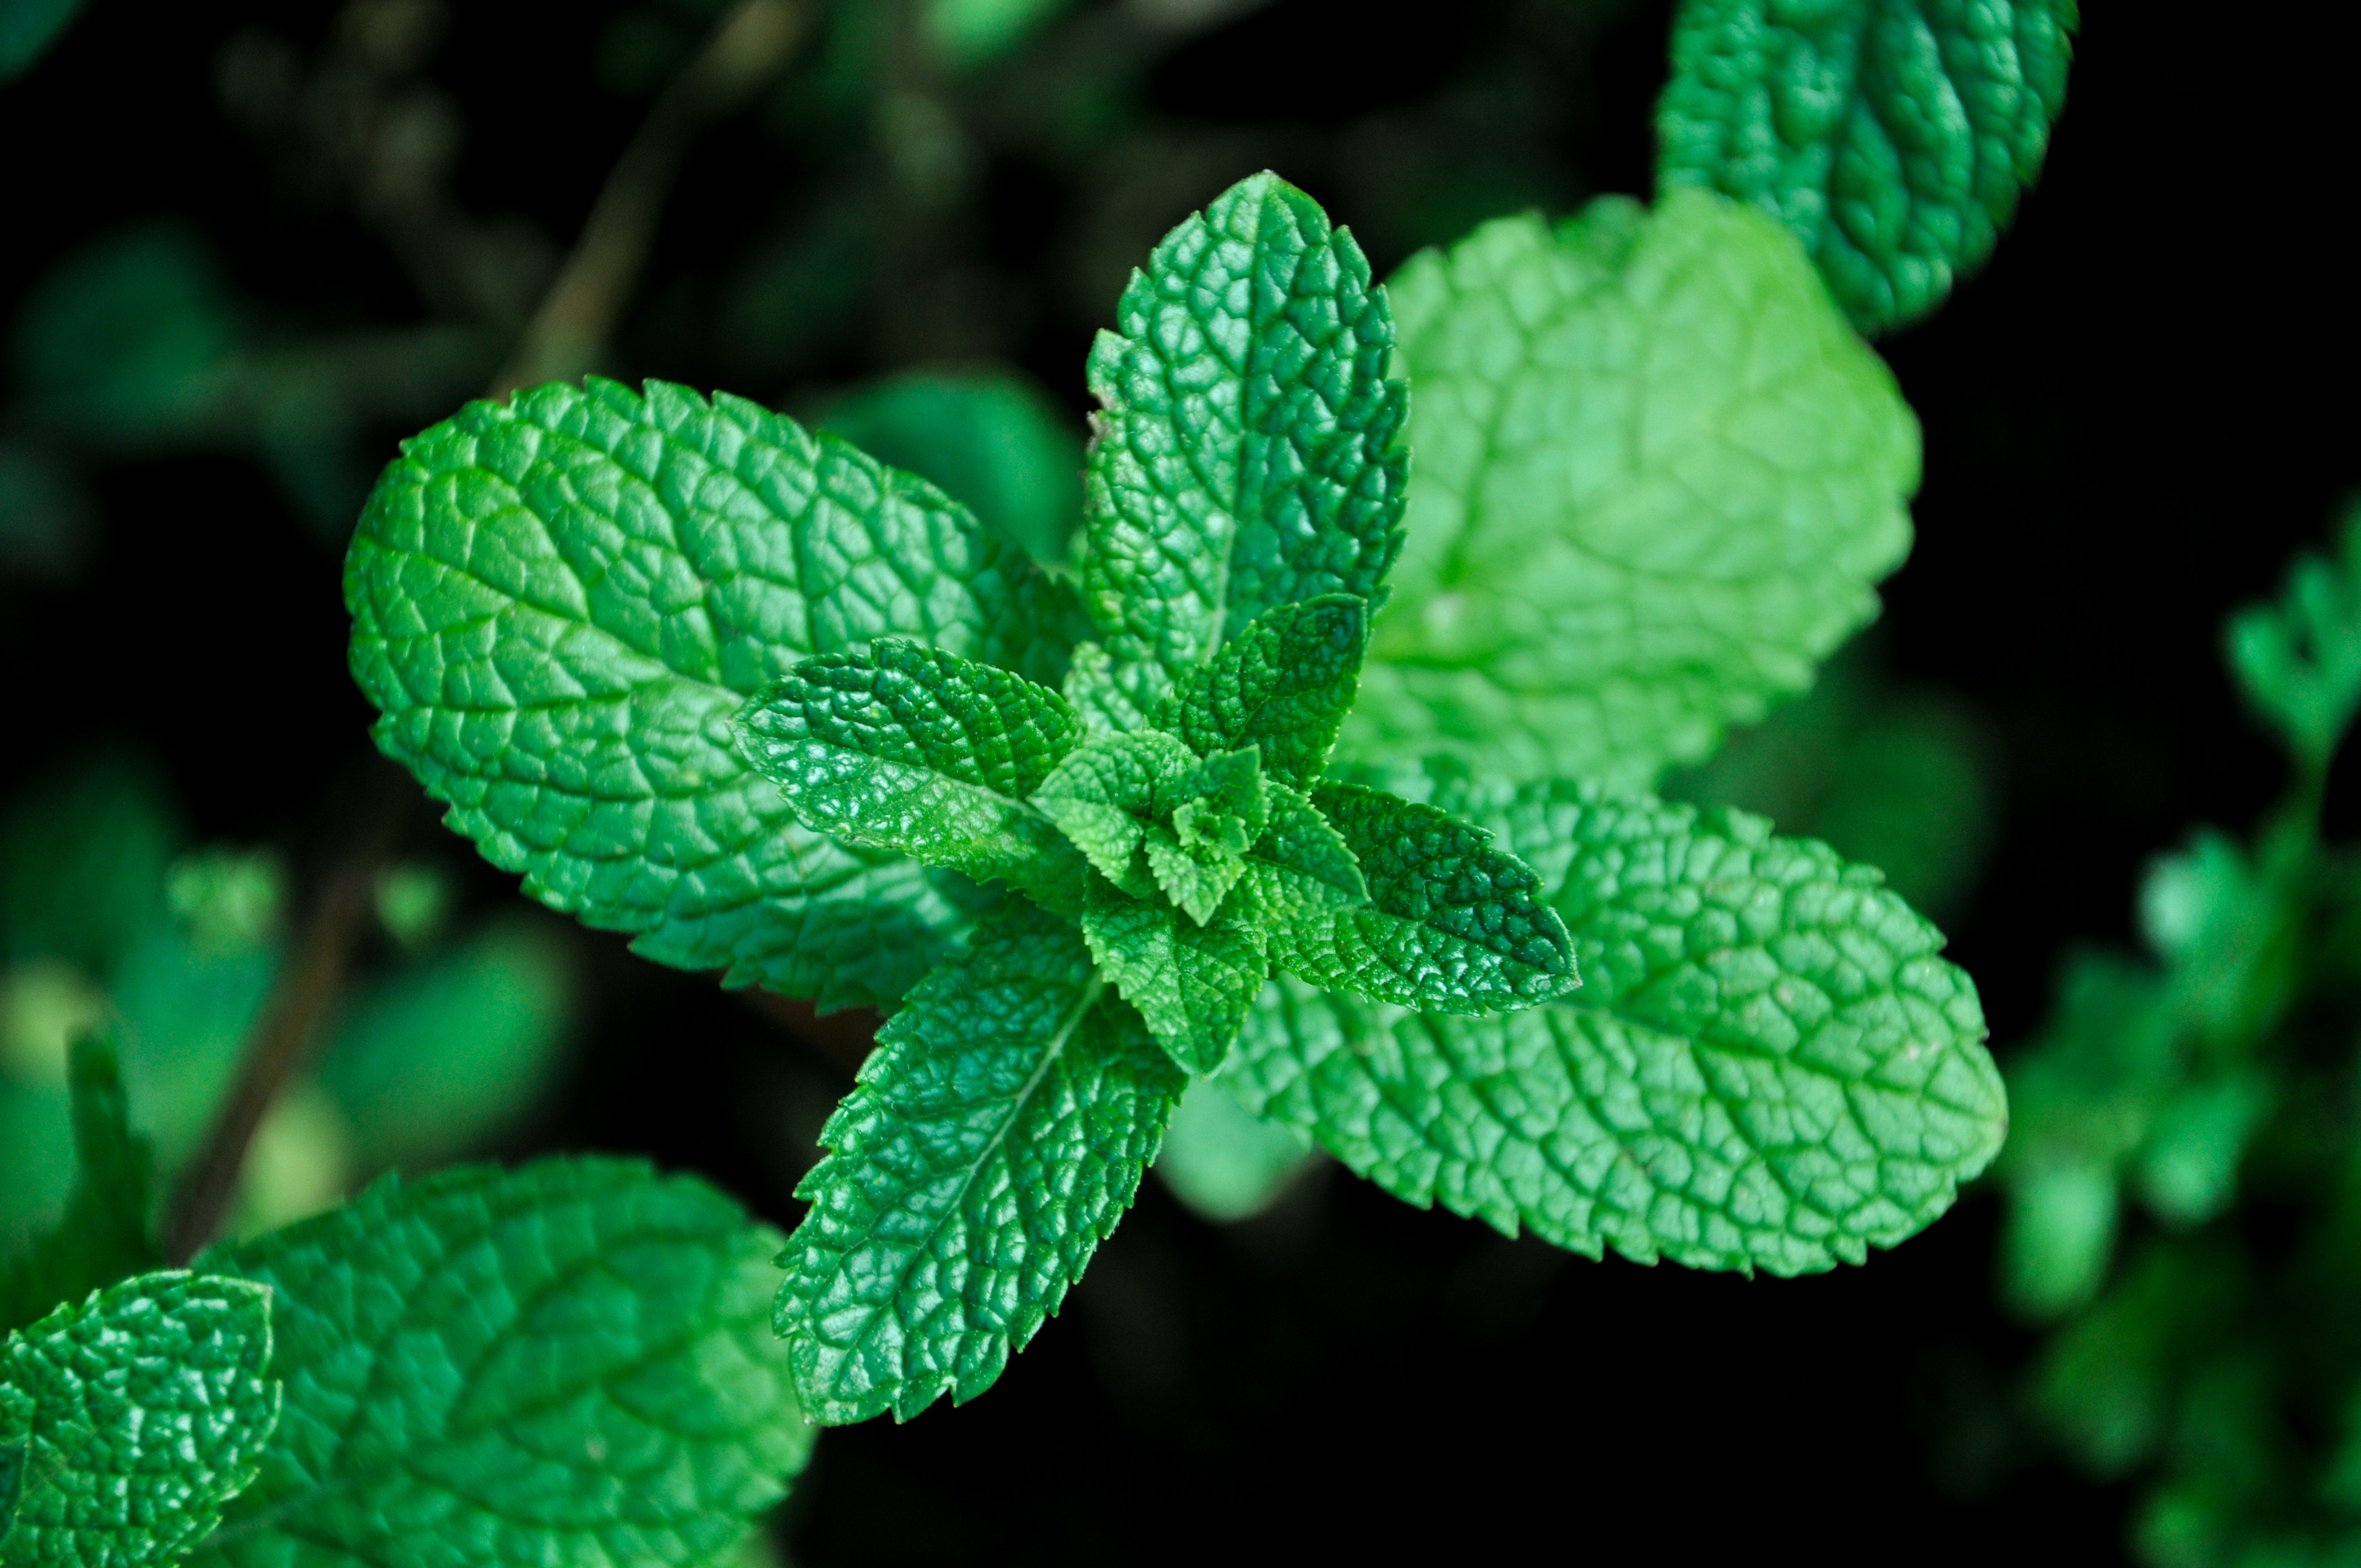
(1768, 1066)
(990, 438)
(967, 33)
(1893, 136)
(1657, 477)
(559, 602)
(137, 1413)
(1302, 866)
(1200, 856)
(1282, 684)
(1248, 455)
(997, 1135)
(1191, 981)
(103, 1235)
(909, 748)
(1224, 1162)
(567, 1363)
(2298, 661)
(1104, 794)
(1453, 924)
(442, 1056)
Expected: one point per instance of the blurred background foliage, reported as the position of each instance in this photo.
(254, 242)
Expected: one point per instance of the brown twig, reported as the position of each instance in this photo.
(314, 975)
(751, 44)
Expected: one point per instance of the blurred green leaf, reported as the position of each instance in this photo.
(413, 902)
(131, 337)
(46, 516)
(2298, 661)
(28, 28)
(103, 1235)
(1222, 1161)
(437, 1057)
(227, 899)
(2057, 1240)
(2189, 1167)
(988, 437)
(2102, 1384)
(82, 863)
(969, 33)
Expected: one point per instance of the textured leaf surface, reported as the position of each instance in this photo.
(103, 1235)
(1891, 136)
(139, 1413)
(996, 1136)
(559, 602)
(1302, 865)
(1453, 924)
(1104, 796)
(1283, 685)
(1767, 1066)
(1249, 454)
(1657, 476)
(909, 748)
(566, 1364)
(1191, 981)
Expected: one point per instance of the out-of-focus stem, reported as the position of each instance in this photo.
(752, 45)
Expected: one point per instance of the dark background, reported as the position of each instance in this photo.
(2131, 418)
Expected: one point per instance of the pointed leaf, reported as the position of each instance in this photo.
(1196, 882)
(1248, 455)
(1103, 795)
(1300, 865)
(1657, 477)
(559, 601)
(909, 748)
(1893, 136)
(1283, 684)
(1453, 924)
(1768, 1066)
(1192, 981)
(138, 1414)
(567, 1363)
(2298, 661)
(103, 1234)
(997, 1135)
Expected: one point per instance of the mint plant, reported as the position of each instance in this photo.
(776, 708)
(2179, 1213)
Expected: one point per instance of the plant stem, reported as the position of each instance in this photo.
(314, 975)
(749, 47)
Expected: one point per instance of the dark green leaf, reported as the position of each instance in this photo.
(103, 1235)
(909, 748)
(1248, 453)
(1893, 136)
(1282, 684)
(997, 1135)
(137, 1413)
(1453, 924)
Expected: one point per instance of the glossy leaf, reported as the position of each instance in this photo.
(1282, 684)
(1191, 979)
(996, 1136)
(567, 1363)
(1893, 137)
(1453, 924)
(1249, 454)
(1657, 477)
(558, 603)
(908, 748)
(1104, 796)
(137, 1415)
(1768, 1065)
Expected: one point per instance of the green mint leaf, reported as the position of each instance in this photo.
(1104, 794)
(1768, 1065)
(1198, 860)
(103, 1234)
(1248, 453)
(567, 1363)
(909, 748)
(990, 438)
(1893, 137)
(996, 1136)
(28, 28)
(558, 603)
(1097, 694)
(1196, 882)
(1453, 924)
(1283, 684)
(137, 1415)
(2298, 661)
(1224, 1162)
(1191, 979)
(1657, 477)
(1300, 865)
